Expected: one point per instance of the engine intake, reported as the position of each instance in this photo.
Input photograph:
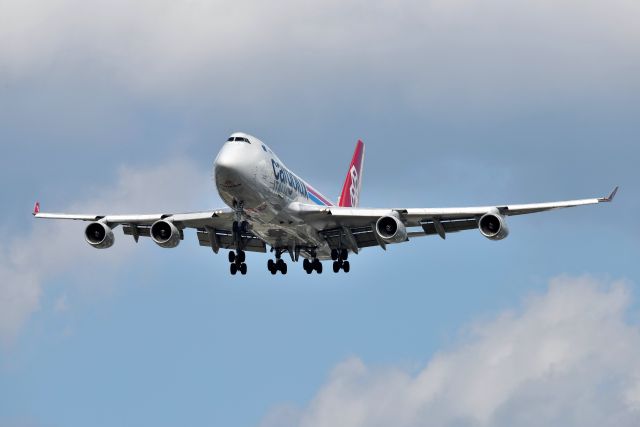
(165, 234)
(99, 235)
(391, 229)
(493, 226)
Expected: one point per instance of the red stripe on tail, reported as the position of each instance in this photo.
(350, 195)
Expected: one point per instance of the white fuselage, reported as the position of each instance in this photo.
(249, 175)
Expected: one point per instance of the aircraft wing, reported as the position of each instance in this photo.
(214, 228)
(354, 228)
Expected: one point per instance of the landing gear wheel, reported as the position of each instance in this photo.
(232, 256)
(306, 264)
(317, 265)
(233, 268)
(272, 267)
(243, 268)
(240, 257)
(282, 266)
(336, 266)
(346, 267)
(344, 254)
(334, 254)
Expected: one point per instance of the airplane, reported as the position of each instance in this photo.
(270, 206)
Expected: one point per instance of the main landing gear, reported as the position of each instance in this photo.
(339, 257)
(277, 265)
(310, 266)
(237, 262)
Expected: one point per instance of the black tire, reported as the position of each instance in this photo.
(241, 256)
(344, 254)
(346, 267)
(306, 264)
(318, 267)
(271, 265)
(283, 268)
(243, 268)
(232, 256)
(336, 266)
(334, 254)
(273, 270)
(308, 270)
(233, 269)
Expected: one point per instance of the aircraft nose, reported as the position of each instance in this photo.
(230, 163)
(231, 155)
(225, 159)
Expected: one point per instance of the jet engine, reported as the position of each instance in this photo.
(391, 229)
(99, 235)
(493, 226)
(165, 234)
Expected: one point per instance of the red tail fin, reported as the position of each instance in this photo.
(350, 196)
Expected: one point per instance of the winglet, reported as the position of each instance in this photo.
(36, 208)
(610, 197)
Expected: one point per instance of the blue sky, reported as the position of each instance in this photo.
(113, 107)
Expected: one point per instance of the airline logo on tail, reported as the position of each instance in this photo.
(350, 196)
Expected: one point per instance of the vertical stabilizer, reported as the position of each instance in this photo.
(350, 195)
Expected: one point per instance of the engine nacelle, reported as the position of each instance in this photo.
(165, 234)
(391, 229)
(99, 235)
(493, 226)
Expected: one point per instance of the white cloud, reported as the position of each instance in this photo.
(56, 247)
(429, 51)
(567, 357)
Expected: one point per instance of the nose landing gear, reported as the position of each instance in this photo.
(236, 260)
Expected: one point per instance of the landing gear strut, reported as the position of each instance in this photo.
(236, 260)
(339, 257)
(278, 264)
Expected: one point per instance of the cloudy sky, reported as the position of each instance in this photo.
(118, 106)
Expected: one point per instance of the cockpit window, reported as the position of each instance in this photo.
(239, 138)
